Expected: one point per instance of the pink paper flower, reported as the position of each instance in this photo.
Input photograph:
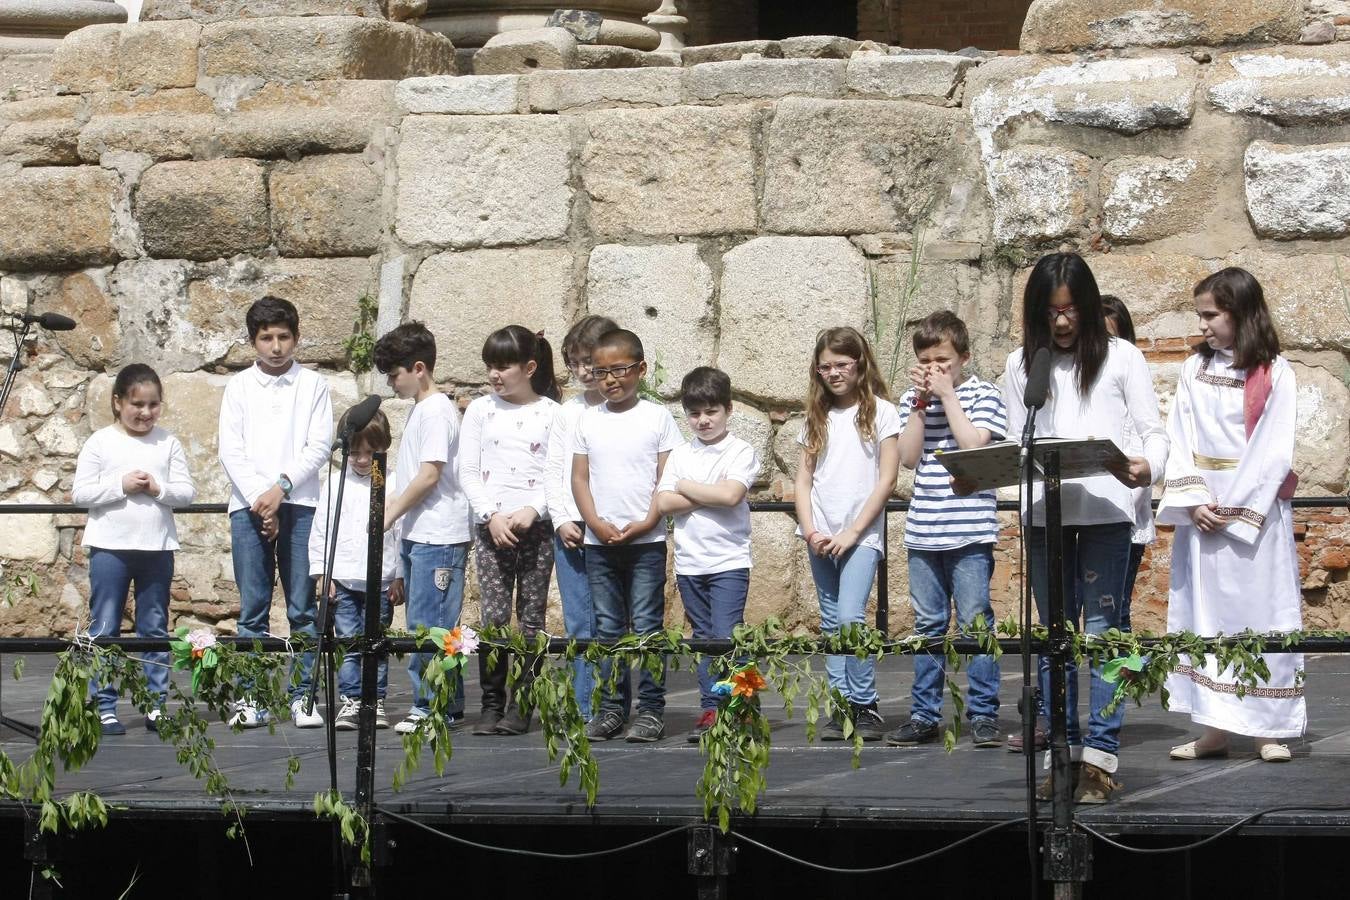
(200, 639)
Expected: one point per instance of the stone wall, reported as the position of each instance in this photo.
(725, 210)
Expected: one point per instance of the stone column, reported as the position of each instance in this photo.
(470, 23)
(36, 26)
(669, 23)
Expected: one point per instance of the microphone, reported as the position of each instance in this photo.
(49, 321)
(358, 417)
(1033, 397)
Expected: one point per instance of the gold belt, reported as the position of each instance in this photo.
(1214, 463)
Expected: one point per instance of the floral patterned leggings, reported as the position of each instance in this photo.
(523, 571)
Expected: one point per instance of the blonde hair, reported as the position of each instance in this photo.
(845, 341)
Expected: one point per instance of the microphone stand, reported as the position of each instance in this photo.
(1028, 703)
(15, 365)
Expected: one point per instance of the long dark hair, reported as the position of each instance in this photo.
(1237, 292)
(1050, 273)
(517, 345)
(1116, 311)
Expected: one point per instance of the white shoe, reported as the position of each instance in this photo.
(409, 725)
(348, 716)
(381, 718)
(304, 719)
(246, 715)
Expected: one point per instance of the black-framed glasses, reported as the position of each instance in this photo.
(616, 371)
(1069, 312)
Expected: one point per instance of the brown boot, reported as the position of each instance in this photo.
(1095, 785)
(1045, 792)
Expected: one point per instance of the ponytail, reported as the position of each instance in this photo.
(517, 345)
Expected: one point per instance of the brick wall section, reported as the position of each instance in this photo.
(953, 24)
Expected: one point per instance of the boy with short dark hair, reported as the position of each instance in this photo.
(704, 488)
(950, 539)
(620, 448)
(427, 497)
(276, 432)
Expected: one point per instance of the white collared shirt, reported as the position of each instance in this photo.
(274, 425)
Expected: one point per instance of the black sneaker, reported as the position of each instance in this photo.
(349, 714)
(513, 722)
(833, 729)
(985, 733)
(647, 728)
(109, 724)
(487, 722)
(913, 733)
(604, 725)
(868, 723)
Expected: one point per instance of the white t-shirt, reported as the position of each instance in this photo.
(503, 452)
(712, 539)
(621, 449)
(141, 521)
(562, 506)
(353, 543)
(848, 470)
(432, 435)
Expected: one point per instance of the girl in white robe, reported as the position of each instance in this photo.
(1227, 491)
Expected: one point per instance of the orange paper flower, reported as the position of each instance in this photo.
(746, 683)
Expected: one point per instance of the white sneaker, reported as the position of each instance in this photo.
(246, 715)
(381, 718)
(409, 725)
(348, 716)
(304, 719)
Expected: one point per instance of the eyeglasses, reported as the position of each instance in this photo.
(616, 371)
(824, 369)
(581, 368)
(1069, 312)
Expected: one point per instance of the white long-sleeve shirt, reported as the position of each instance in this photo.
(1123, 391)
(140, 521)
(274, 425)
(503, 454)
(353, 543)
(562, 506)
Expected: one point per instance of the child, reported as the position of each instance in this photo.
(704, 488)
(1121, 325)
(1097, 383)
(276, 431)
(430, 502)
(847, 469)
(620, 450)
(503, 453)
(1227, 491)
(347, 589)
(131, 475)
(569, 552)
(950, 539)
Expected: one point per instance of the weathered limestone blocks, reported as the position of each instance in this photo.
(1150, 198)
(1057, 26)
(1306, 295)
(1321, 452)
(84, 297)
(43, 131)
(203, 210)
(927, 78)
(36, 26)
(556, 91)
(68, 217)
(524, 51)
(684, 170)
(463, 94)
(765, 79)
(472, 23)
(1039, 193)
(857, 166)
(319, 47)
(777, 294)
(1298, 192)
(30, 538)
(326, 206)
(510, 182)
(128, 57)
(1288, 85)
(665, 294)
(221, 10)
(464, 297)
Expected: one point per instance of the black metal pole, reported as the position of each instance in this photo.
(883, 581)
(15, 365)
(1029, 683)
(371, 644)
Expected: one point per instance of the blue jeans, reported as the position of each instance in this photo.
(111, 575)
(628, 585)
(843, 586)
(1136, 557)
(433, 579)
(1096, 558)
(349, 621)
(939, 580)
(715, 605)
(256, 563)
(579, 622)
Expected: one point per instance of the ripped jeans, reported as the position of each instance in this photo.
(1096, 561)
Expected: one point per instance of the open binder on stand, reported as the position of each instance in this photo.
(997, 465)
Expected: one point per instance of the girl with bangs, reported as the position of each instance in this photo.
(849, 460)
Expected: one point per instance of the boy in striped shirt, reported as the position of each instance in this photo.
(950, 539)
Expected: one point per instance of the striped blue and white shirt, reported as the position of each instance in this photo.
(938, 519)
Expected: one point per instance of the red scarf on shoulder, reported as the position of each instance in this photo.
(1255, 394)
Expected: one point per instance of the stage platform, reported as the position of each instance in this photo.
(506, 787)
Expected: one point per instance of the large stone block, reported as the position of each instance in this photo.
(46, 142)
(29, 538)
(670, 171)
(1288, 85)
(858, 166)
(326, 206)
(467, 182)
(188, 316)
(1055, 26)
(763, 79)
(665, 294)
(127, 57)
(929, 78)
(319, 47)
(203, 210)
(1039, 193)
(462, 297)
(462, 94)
(1306, 295)
(520, 52)
(1298, 192)
(290, 120)
(1321, 453)
(84, 297)
(554, 91)
(1149, 198)
(777, 294)
(221, 10)
(59, 217)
